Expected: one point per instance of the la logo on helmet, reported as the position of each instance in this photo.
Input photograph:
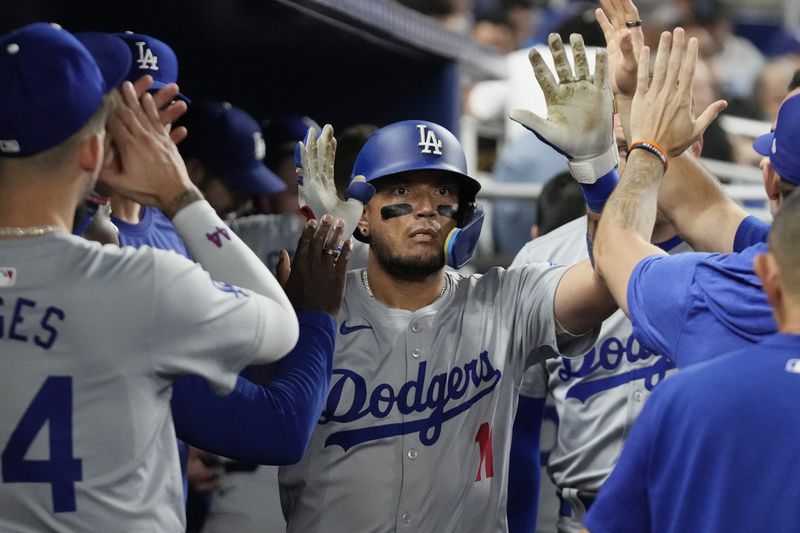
(146, 58)
(428, 141)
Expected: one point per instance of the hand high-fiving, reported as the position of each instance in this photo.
(661, 111)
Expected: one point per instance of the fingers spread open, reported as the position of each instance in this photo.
(563, 69)
(601, 68)
(605, 24)
(579, 57)
(151, 112)
(142, 85)
(171, 112)
(344, 257)
(687, 71)
(662, 60)
(643, 74)
(675, 59)
(708, 116)
(166, 94)
(543, 75)
(303, 246)
(283, 268)
(178, 134)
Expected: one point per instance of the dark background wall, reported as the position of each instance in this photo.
(275, 57)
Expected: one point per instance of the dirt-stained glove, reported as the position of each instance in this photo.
(317, 189)
(580, 110)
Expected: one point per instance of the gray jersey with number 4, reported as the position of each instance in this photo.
(91, 339)
(417, 426)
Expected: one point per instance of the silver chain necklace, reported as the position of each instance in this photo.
(29, 231)
(365, 281)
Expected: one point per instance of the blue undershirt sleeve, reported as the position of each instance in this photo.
(751, 231)
(525, 466)
(659, 300)
(265, 425)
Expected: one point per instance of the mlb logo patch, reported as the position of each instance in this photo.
(8, 277)
(793, 366)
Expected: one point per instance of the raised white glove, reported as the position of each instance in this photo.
(317, 189)
(580, 110)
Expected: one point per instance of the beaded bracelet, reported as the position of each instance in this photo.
(653, 148)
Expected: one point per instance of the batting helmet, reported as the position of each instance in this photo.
(414, 145)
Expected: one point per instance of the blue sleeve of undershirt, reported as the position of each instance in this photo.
(660, 300)
(525, 466)
(265, 425)
(751, 231)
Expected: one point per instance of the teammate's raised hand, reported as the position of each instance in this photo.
(619, 20)
(317, 189)
(149, 169)
(661, 111)
(580, 106)
(315, 281)
(169, 107)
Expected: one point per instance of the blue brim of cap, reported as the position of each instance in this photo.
(160, 84)
(111, 54)
(763, 144)
(257, 179)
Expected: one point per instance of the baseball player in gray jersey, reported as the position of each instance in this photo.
(417, 426)
(597, 396)
(605, 389)
(99, 375)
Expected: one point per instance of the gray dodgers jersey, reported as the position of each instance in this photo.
(91, 338)
(599, 395)
(417, 426)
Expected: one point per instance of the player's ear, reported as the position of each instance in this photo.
(363, 225)
(91, 152)
(771, 180)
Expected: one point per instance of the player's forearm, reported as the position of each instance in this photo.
(698, 207)
(223, 255)
(623, 235)
(265, 425)
(632, 205)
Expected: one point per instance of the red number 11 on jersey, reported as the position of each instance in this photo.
(484, 440)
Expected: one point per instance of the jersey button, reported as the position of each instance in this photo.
(638, 396)
(412, 454)
(416, 327)
(416, 352)
(405, 518)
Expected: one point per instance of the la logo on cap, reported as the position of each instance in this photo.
(428, 141)
(774, 145)
(147, 60)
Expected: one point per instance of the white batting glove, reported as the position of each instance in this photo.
(317, 189)
(580, 110)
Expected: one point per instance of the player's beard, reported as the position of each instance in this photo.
(408, 268)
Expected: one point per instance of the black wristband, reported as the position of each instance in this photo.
(654, 149)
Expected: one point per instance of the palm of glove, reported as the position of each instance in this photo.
(317, 189)
(579, 107)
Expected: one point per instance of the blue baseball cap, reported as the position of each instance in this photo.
(284, 131)
(781, 144)
(51, 86)
(230, 142)
(154, 57)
